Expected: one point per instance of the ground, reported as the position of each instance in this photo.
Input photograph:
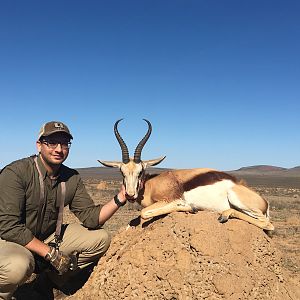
(193, 256)
(190, 256)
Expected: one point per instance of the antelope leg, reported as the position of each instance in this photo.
(261, 222)
(161, 208)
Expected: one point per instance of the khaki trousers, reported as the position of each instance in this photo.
(17, 263)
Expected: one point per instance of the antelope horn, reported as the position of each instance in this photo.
(139, 147)
(125, 153)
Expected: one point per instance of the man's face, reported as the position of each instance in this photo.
(54, 149)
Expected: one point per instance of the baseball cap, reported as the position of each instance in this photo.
(52, 127)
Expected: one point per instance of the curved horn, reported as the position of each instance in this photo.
(125, 153)
(139, 147)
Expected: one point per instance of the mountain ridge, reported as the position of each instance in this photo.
(114, 173)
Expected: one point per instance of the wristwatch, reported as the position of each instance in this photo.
(118, 202)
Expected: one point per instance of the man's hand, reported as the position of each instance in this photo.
(122, 194)
(120, 198)
(60, 261)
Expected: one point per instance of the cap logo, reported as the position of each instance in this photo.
(59, 126)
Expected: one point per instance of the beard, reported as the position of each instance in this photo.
(53, 161)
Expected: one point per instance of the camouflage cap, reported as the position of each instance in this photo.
(52, 127)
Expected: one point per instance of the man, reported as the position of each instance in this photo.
(33, 193)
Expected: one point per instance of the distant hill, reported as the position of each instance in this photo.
(270, 176)
(295, 169)
(109, 173)
(268, 170)
(261, 175)
(114, 173)
(260, 168)
(244, 172)
(100, 173)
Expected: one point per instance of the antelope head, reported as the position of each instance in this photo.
(132, 169)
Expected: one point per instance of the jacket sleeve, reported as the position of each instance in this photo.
(12, 202)
(84, 207)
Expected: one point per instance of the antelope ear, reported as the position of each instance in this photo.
(111, 164)
(153, 162)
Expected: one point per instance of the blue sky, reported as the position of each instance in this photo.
(219, 80)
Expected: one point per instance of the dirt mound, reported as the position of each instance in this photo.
(190, 256)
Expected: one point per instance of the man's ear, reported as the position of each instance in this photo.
(38, 146)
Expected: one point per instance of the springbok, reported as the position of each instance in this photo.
(188, 190)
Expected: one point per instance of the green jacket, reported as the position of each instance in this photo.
(20, 197)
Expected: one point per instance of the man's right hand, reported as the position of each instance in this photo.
(60, 261)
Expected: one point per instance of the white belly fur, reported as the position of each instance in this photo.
(210, 197)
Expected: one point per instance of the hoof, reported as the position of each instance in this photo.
(135, 222)
(269, 233)
(222, 219)
(269, 227)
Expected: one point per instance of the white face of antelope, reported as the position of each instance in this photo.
(132, 174)
(132, 169)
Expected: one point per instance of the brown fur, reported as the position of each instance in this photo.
(250, 196)
(150, 176)
(207, 179)
(163, 187)
(172, 187)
